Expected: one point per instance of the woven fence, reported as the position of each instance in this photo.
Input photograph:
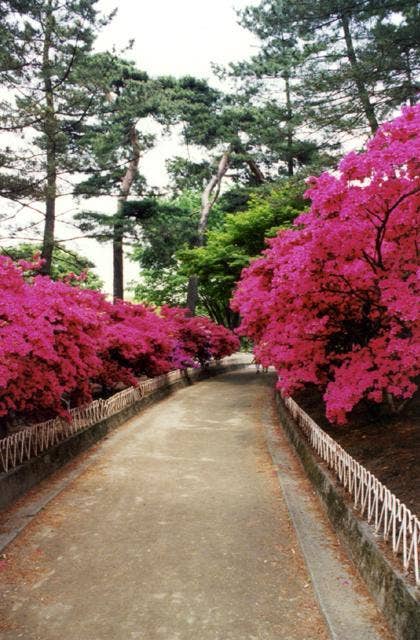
(389, 517)
(33, 440)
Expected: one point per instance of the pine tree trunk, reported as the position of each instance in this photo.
(410, 83)
(118, 231)
(192, 294)
(208, 198)
(50, 130)
(363, 94)
(118, 257)
(290, 167)
(49, 225)
(256, 171)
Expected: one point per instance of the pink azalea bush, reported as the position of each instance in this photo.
(58, 343)
(136, 341)
(334, 301)
(48, 344)
(198, 339)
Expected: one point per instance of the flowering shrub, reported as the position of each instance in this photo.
(136, 341)
(333, 301)
(48, 339)
(198, 339)
(58, 342)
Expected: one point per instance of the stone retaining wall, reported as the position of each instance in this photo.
(393, 594)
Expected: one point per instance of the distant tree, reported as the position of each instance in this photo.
(116, 144)
(395, 53)
(241, 237)
(165, 226)
(221, 126)
(270, 80)
(65, 263)
(160, 287)
(113, 147)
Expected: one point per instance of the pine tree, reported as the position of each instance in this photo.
(269, 79)
(225, 128)
(49, 92)
(112, 150)
(351, 62)
(395, 51)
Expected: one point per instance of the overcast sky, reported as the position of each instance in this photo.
(178, 36)
(172, 37)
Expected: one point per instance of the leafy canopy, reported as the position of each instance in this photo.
(241, 237)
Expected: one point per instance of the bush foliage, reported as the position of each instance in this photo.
(59, 343)
(332, 301)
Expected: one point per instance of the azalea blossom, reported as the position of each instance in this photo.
(334, 300)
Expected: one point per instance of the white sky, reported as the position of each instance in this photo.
(172, 37)
(178, 37)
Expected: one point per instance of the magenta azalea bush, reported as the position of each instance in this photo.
(198, 339)
(59, 343)
(334, 301)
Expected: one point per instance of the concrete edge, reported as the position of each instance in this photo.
(393, 595)
(349, 612)
(18, 481)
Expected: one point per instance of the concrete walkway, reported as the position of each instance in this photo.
(177, 529)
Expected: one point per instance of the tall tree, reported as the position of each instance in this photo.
(396, 53)
(113, 149)
(222, 126)
(167, 225)
(241, 237)
(208, 199)
(343, 81)
(269, 79)
(49, 92)
(116, 143)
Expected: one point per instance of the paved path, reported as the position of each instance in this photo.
(176, 530)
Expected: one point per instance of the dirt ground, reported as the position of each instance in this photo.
(388, 446)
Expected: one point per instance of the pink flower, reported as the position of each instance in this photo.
(333, 301)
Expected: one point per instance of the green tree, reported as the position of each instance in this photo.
(116, 144)
(48, 92)
(112, 149)
(241, 237)
(394, 51)
(64, 262)
(345, 76)
(221, 125)
(10, 34)
(269, 80)
(158, 287)
(166, 226)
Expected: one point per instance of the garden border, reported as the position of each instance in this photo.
(393, 594)
(21, 478)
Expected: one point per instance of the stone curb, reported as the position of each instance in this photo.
(393, 595)
(21, 479)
